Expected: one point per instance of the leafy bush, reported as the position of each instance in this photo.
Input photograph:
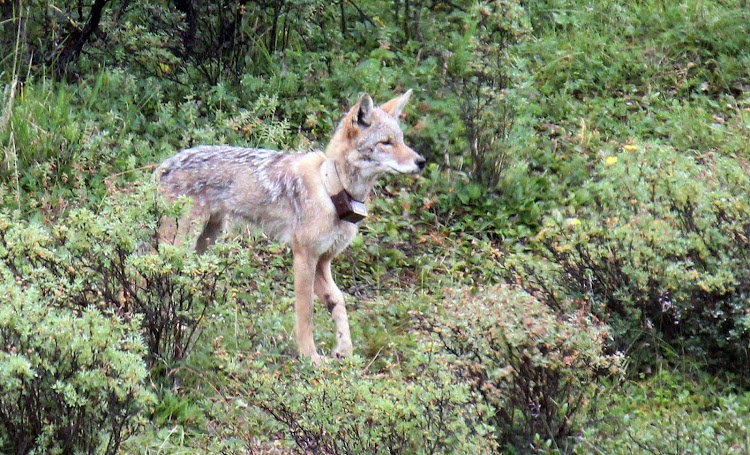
(670, 414)
(534, 369)
(659, 250)
(343, 409)
(484, 75)
(72, 381)
(722, 430)
(101, 259)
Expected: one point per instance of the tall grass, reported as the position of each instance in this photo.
(9, 94)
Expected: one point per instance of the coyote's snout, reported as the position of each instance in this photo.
(308, 200)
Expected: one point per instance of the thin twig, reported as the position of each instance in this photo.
(362, 14)
(367, 367)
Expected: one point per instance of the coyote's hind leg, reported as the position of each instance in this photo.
(211, 230)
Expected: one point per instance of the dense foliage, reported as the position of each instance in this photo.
(343, 409)
(659, 250)
(72, 381)
(102, 260)
(534, 369)
(568, 275)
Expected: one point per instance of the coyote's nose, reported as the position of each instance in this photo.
(421, 162)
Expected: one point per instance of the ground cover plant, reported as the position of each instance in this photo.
(568, 275)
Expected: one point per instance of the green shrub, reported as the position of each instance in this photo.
(659, 250)
(483, 72)
(534, 369)
(722, 430)
(102, 259)
(71, 381)
(670, 414)
(341, 408)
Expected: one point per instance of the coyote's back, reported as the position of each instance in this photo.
(258, 186)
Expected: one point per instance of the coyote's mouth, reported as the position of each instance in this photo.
(411, 171)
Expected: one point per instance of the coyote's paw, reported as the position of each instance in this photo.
(344, 349)
(317, 359)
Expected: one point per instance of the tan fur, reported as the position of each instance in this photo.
(289, 197)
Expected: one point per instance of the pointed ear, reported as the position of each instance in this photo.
(363, 110)
(396, 105)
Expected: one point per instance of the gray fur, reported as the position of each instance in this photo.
(244, 183)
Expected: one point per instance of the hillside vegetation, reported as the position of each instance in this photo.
(569, 275)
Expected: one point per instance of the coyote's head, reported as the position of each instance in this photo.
(375, 142)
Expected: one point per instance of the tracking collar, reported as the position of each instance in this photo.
(347, 208)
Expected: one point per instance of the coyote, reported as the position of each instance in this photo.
(310, 200)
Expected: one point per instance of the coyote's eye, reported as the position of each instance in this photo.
(386, 142)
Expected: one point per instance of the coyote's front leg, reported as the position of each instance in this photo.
(304, 277)
(329, 293)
